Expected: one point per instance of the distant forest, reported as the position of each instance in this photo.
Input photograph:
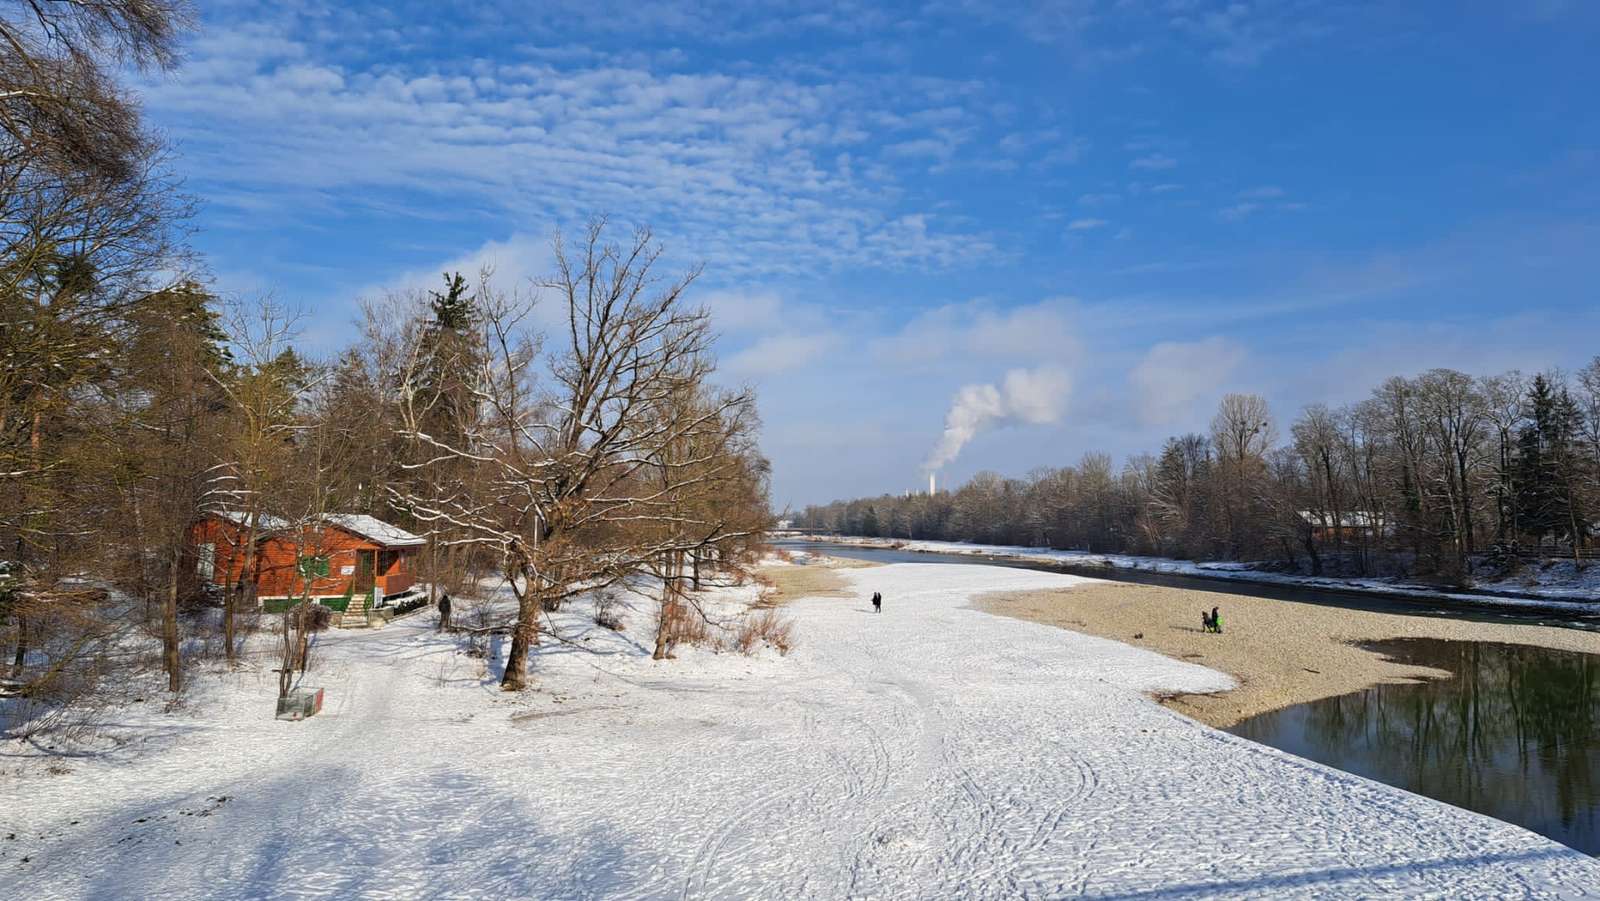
(1432, 475)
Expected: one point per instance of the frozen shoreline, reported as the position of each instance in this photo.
(931, 751)
(1563, 599)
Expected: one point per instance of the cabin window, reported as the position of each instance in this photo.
(206, 561)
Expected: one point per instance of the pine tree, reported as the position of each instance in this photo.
(1547, 466)
(442, 390)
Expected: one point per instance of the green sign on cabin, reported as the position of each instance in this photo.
(313, 567)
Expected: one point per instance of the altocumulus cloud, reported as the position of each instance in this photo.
(756, 171)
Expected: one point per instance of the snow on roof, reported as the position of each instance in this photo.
(263, 521)
(1350, 519)
(369, 527)
(377, 530)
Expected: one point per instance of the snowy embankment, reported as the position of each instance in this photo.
(931, 751)
(1574, 592)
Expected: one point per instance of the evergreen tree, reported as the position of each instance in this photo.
(450, 355)
(1547, 465)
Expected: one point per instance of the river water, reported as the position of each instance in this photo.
(1514, 733)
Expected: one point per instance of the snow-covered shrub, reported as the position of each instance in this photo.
(767, 627)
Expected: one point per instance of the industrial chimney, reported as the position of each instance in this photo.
(930, 484)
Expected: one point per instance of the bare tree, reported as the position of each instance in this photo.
(262, 391)
(568, 497)
(1454, 413)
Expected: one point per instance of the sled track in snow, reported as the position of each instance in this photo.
(843, 788)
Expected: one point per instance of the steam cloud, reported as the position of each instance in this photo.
(1025, 396)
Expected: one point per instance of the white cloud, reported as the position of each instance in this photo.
(1174, 381)
(1254, 200)
(1265, 192)
(734, 312)
(1079, 225)
(1238, 211)
(779, 353)
(978, 331)
(515, 262)
(1153, 162)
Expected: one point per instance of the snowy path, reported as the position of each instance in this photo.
(930, 752)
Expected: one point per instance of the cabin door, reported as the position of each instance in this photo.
(366, 570)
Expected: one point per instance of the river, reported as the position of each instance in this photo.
(1514, 734)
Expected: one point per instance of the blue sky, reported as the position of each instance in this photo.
(1144, 204)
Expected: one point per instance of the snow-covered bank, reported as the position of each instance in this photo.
(931, 751)
(1579, 594)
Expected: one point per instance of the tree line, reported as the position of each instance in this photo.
(134, 400)
(1429, 476)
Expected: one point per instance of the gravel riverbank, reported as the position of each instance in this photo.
(1281, 652)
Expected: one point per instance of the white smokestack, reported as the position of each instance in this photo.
(930, 483)
(1031, 396)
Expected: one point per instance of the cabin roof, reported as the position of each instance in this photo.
(376, 530)
(1349, 519)
(361, 525)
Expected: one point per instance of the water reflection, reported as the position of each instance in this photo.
(1512, 735)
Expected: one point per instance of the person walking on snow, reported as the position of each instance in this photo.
(877, 602)
(444, 612)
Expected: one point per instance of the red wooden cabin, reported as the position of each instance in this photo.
(361, 552)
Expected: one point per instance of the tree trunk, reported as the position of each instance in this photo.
(526, 633)
(230, 598)
(228, 626)
(1311, 551)
(669, 605)
(669, 614)
(286, 664)
(169, 625)
(22, 647)
(525, 636)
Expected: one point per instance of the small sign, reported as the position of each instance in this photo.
(348, 569)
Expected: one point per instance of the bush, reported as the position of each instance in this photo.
(408, 606)
(767, 627)
(689, 627)
(605, 611)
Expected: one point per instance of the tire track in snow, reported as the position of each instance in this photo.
(817, 804)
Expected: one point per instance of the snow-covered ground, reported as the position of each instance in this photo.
(1556, 586)
(929, 752)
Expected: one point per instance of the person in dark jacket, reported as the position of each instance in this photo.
(877, 602)
(444, 612)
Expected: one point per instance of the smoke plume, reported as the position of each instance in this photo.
(1024, 397)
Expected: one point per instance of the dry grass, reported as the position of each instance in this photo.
(820, 578)
(764, 627)
(690, 627)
